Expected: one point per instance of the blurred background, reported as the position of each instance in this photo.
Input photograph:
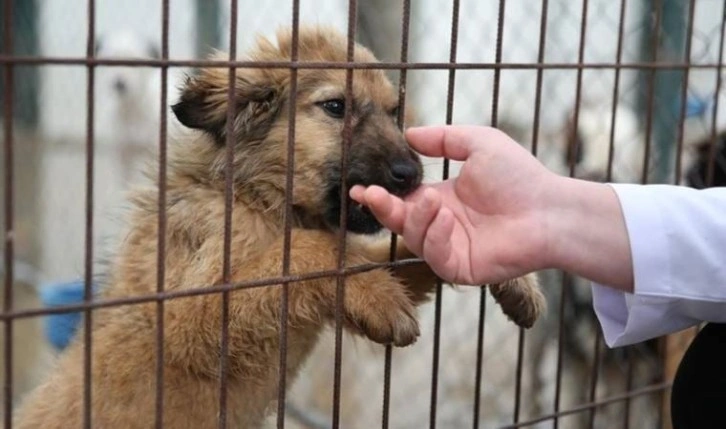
(49, 115)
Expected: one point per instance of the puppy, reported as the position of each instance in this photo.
(378, 304)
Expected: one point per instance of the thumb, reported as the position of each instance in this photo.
(453, 142)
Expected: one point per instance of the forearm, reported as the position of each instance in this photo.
(586, 233)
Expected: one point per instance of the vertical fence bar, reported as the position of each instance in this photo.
(576, 122)
(594, 375)
(284, 301)
(616, 90)
(684, 94)
(483, 290)
(161, 238)
(650, 94)
(560, 350)
(402, 82)
(479, 355)
(628, 388)
(578, 87)
(228, 201)
(9, 199)
(518, 376)
(567, 279)
(437, 341)
(535, 142)
(445, 176)
(88, 275)
(540, 76)
(340, 280)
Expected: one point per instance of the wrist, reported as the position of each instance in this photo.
(585, 232)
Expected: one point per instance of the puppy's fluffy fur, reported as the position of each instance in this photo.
(378, 304)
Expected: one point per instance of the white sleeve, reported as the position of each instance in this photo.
(678, 245)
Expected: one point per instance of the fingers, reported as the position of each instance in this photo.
(424, 211)
(437, 247)
(438, 237)
(453, 142)
(388, 209)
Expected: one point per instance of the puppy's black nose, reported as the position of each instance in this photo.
(405, 174)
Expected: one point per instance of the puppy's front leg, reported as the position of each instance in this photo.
(418, 277)
(376, 304)
(520, 299)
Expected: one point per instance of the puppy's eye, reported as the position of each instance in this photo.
(334, 108)
(394, 112)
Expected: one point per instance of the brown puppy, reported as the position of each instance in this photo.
(377, 304)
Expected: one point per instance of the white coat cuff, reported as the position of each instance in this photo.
(627, 318)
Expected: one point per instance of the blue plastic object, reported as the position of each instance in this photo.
(61, 328)
(696, 106)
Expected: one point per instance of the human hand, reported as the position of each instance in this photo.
(485, 226)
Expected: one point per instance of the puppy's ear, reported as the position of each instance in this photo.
(204, 102)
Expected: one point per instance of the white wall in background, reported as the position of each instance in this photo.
(63, 32)
(265, 17)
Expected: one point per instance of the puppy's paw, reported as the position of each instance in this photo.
(520, 299)
(383, 313)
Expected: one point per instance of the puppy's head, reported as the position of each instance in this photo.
(377, 154)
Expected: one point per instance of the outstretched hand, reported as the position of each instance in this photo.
(484, 226)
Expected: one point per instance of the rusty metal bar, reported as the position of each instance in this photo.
(9, 237)
(594, 376)
(616, 91)
(435, 359)
(655, 388)
(445, 175)
(518, 376)
(535, 142)
(567, 279)
(479, 355)
(88, 274)
(658, 6)
(109, 62)
(684, 94)
(578, 86)
(228, 207)
(340, 281)
(202, 290)
(290, 166)
(161, 239)
(540, 73)
(560, 349)
(628, 388)
(402, 82)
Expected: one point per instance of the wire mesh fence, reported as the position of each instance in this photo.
(625, 91)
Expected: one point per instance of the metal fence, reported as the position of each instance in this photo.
(631, 87)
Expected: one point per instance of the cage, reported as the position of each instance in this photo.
(624, 91)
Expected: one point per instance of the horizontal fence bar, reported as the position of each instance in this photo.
(204, 290)
(654, 388)
(82, 61)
